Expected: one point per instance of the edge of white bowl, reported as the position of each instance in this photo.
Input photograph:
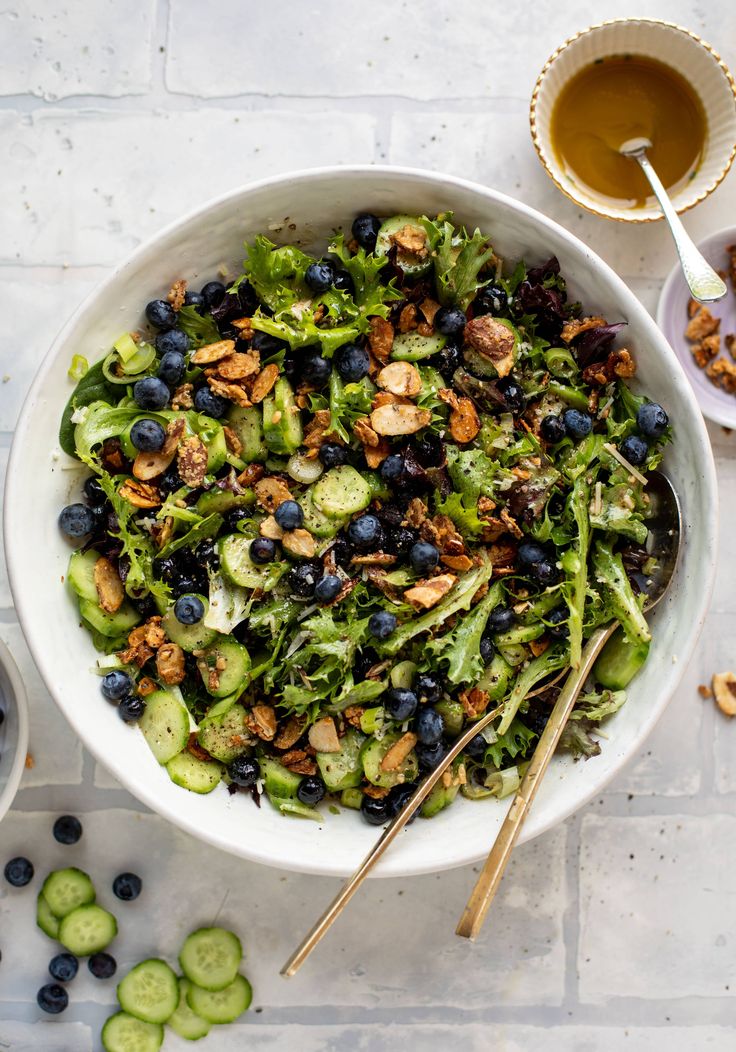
(20, 703)
(532, 828)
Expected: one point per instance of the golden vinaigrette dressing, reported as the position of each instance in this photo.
(619, 98)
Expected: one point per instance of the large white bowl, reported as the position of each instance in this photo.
(307, 206)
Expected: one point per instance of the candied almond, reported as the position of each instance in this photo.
(140, 494)
(381, 338)
(170, 663)
(299, 542)
(271, 529)
(399, 419)
(323, 735)
(575, 326)
(191, 461)
(110, 591)
(263, 383)
(426, 594)
(398, 752)
(400, 378)
(271, 491)
(238, 366)
(408, 318)
(494, 340)
(290, 732)
(213, 352)
(231, 391)
(233, 443)
(464, 421)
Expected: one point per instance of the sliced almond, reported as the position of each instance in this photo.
(110, 591)
(140, 494)
(271, 491)
(170, 663)
(264, 718)
(323, 735)
(427, 594)
(464, 421)
(300, 543)
(381, 338)
(271, 529)
(213, 352)
(461, 563)
(724, 688)
(233, 443)
(263, 383)
(238, 366)
(290, 732)
(493, 340)
(398, 752)
(400, 378)
(429, 308)
(192, 461)
(231, 391)
(399, 419)
(147, 466)
(251, 474)
(408, 318)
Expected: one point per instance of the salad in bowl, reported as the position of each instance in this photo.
(339, 507)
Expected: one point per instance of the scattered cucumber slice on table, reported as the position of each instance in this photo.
(45, 919)
(165, 725)
(341, 492)
(184, 1021)
(221, 1006)
(66, 889)
(189, 637)
(87, 930)
(124, 1033)
(210, 957)
(189, 772)
(150, 991)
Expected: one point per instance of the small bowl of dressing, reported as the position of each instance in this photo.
(626, 79)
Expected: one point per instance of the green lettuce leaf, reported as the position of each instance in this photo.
(459, 259)
(200, 328)
(514, 742)
(626, 608)
(371, 295)
(459, 649)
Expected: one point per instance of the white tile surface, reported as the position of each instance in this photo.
(53, 1036)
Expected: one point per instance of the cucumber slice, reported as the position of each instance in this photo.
(319, 524)
(282, 420)
(124, 1033)
(279, 783)
(341, 492)
(224, 667)
(343, 769)
(110, 625)
(440, 798)
(373, 753)
(225, 736)
(45, 919)
(66, 889)
(164, 725)
(189, 637)
(411, 264)
(412, 346)
(237, 566)
(496, 677)
(87, 930)
(221, 1006)
(184, 1021)
(453, 714)
(216, 448)
(150, 991)
(210, 958)
(81, 574)
(248, 426)
(198, 776)
(351, 798)
(402, 674)
(619, 661)
(222, 500)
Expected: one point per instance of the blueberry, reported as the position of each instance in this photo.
(652, 420)
(289, 515)
(171, 480)
(513, 394)
(186, 583)
(67, 829)
(491, 299)
(205, 554)
(430, 755)
(365, 230)
(332, 455)
(151, 393)
(233, 517)
(188, 609)
(546, 572)
(127, 886)
(364, 661)
(266, 344)
(172, 367)
(18, 872)
(94, 494)
(147, 435)
(476, 747)
(375, 812)
(400, 703)
(424, 557)
(172, 342)
(401, 540)
(635, 450)
(501, 619)
(553, 428)
(244, 771)
(165, 568)
(428, 688)
(63, 967)
(365, 533)
(311, 790)
(262, 550)
(429, 726)
(530, 553)
(343, 282)
(327, 588)
(302, 579)
(397, 799)
(578, 423)
(206, 401)
(447, 360)
(316, 370)
(319, 276)
(131, 708)
(392, 467)
(194, 299)
(161, 314)
(450, 321)
(486, 650)
(116, 684)
(76, 520)
(52, 998)
(557, 621)
(430, 451)
(382, 624)
(213, 293)
(342, 551)
(352, 362)
(102, 965)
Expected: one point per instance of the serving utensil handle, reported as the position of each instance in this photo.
(489, 879)
(703, 282)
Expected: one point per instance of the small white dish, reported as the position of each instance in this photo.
(678, 47)
(672, 319)
(13, 729)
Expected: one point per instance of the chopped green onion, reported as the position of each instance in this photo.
(78, 368)
(126, 347)
(560, 362)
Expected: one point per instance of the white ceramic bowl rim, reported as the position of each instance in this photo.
(407, 858)
(16, 715)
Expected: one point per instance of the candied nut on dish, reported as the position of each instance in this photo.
(494, 340)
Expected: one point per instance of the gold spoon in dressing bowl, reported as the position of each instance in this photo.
(703, 282)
